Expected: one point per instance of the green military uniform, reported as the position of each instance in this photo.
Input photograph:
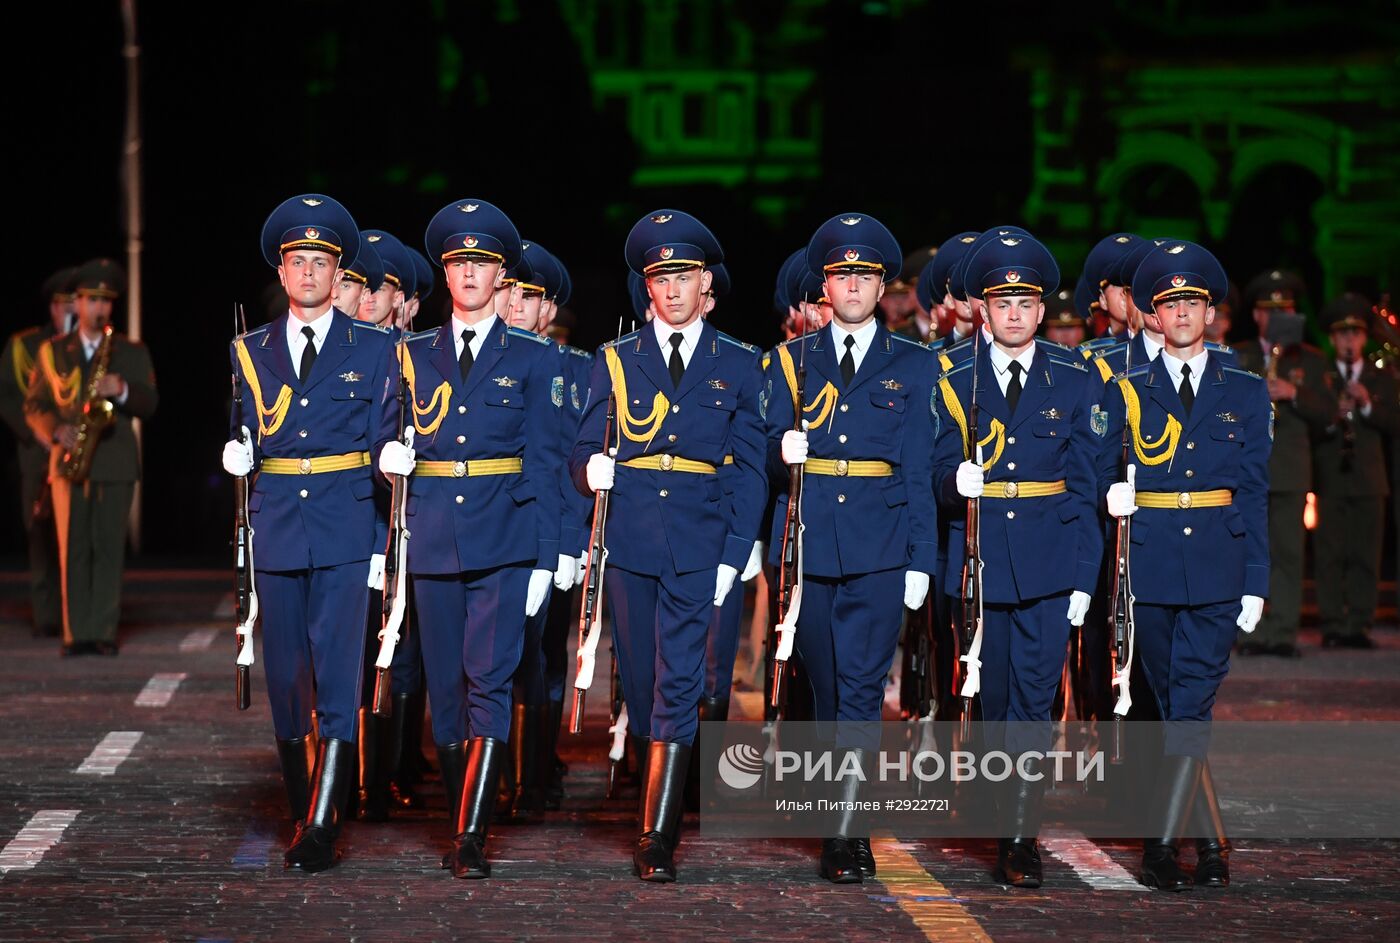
(16, 368)
(1297, 424)
(1352, 485)
(91, 517)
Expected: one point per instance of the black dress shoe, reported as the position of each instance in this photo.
(1212, 864)
(839, 864)
(865, 858)
(104, 648)
(1018, 863)
(1161, 870)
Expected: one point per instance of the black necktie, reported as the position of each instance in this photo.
(464, 362)
(676, 364)
(1188, 395)
(308, 353)
(848, 362)
(1013, 387)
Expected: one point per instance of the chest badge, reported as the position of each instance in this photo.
(1098, 421)
(352, 377)
(1052, 413)
(1227, 417)
(892, 384)
(717, 384)
(505, 383)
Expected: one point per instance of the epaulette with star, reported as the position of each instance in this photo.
(1242, 372)
(909, 340)
(528, 335)
(623, 339)
(751, 348)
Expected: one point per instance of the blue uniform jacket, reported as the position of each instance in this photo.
(1038, 546)
(859, 525)
(508, 407)
(1198, 555)
(315, 520)
(577, 368)
(659, 520)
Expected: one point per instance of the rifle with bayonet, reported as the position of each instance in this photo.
(790, 570)
(971, 613)
(1120, 610)
(245, 594)
(395, 595)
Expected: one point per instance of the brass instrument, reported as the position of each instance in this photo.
(97, 414)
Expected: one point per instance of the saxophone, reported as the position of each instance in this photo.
(97, 414)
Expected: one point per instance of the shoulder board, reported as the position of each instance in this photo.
(909, 340)
(1137, 371)
(255, 331)
(625, 338)
(1067, 359)
(1053, 345)
(1225, 350)
(528, 335)
(575, 351)
(736, 342)
(371, 327)
(956, 368)
(1108, 340)
(1242, 372)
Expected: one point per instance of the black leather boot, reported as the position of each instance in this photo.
(519, 791)
(840, 863)
(452, 760)
(653, 858)
(1212, 846)
(485, 757)
(377, 759)
(414, 763)
(297, 757)
(704, 711)
(542, 758)
(1175, 792)
(514, 765)
(402, 794)
(1018, 857)
(641, 750)
(313, 847)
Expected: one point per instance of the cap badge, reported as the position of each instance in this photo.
(851, 220)
(374, 238)
(968, 240)
(469, 207)
(1178, 281)
(1123, 239)
(1176, 250)
(1013, 276)
(660, 218)
(313, 234)
(469, 242)
(309, 201)
(1013, 241)
(667, 252)
(852, 255)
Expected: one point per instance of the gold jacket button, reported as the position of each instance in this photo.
(460, 499)
(459, 469)
(1190, 445)
(845, 406)
(667, 462)
(304, 466)
(1011, 515)
(840, 499)
(461, 410)
(1183, 500)
(1012, 489)
(1190, 473)
(675, 409)
(671, 438)
(1010, 466)
(841, 438)
(303, 492)
(302, 433)
(664, 493)
(304, 401)
(1011, 440)
(1186, 531)
(843, 467)
(461, 439)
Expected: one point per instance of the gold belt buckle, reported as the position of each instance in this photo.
(1012, 489)
(304, 466)
(843, 467)
(459, 469)
(1183, 500)
(667, 461)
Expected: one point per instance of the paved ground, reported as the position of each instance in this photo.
(162, 820)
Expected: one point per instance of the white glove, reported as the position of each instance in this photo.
(755, 564)
(238, 456)
(566, 574)
(376, 572)
(600, 471)
(539, 588)
(724, 582)
(1122, 496)
(582, 564)
(1078, 607)
(969, 479)
(915, 589)
(1251, 608)
(396, 459)
(794, 447)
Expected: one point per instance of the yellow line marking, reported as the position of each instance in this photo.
(917, 893)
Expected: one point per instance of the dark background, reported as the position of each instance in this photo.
(925, 125)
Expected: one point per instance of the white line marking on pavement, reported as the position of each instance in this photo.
(198, 640)
(110, 753)
(160, 689)
(39, 834)
(1090, 862)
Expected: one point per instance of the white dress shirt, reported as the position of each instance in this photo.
(1152, 347)
(1198, 367)
(296, 340)
(1001, 365)
(690, 338)
(864, 337)
(482, 328)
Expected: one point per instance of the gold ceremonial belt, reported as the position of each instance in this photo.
(1219, 498)
(1022, 489)
(474, 468)
(673, 463)
(847, 468)
(314, 466)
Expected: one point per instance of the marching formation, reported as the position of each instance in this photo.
(479, 468)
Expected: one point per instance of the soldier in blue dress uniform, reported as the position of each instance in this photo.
(1033, 468)
(313, 377)
(870, 543)
(687, 406)
(483, 507)
(362, 278)
(1201, 433)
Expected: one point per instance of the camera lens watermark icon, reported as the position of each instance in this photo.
(740, 766)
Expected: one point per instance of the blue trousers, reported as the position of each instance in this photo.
(313, 624)
(846, 634)
(1023, 655)
(1183, 652)
(529, 685)
(406, 670)
(561, 620)
(473, 629)
(723, 645)
(660, 629)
